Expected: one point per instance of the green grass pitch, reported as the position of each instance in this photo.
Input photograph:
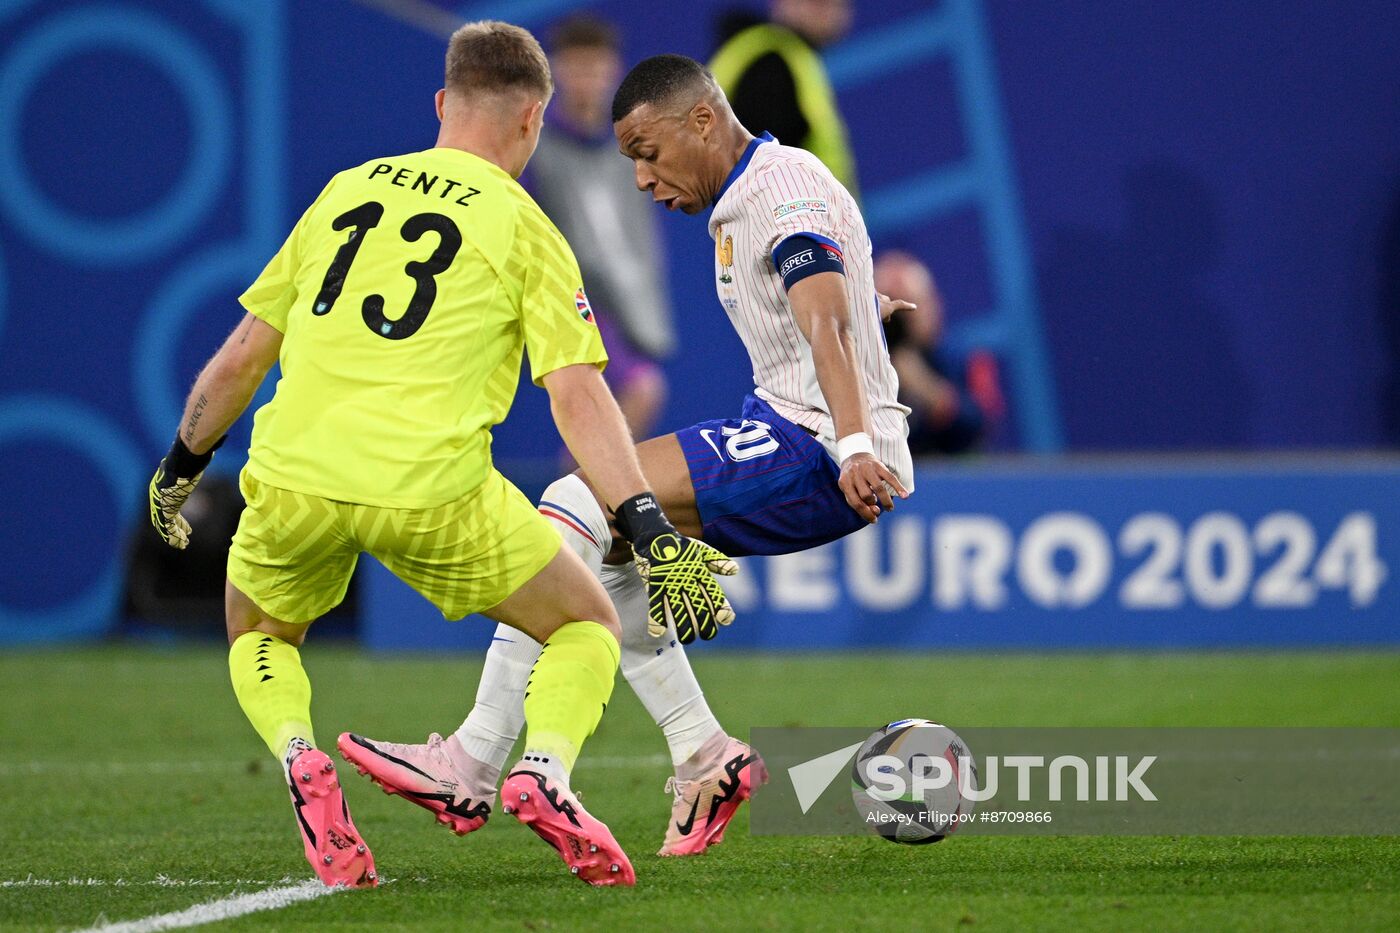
(130, 785)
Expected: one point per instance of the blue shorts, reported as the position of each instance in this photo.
(763, 485)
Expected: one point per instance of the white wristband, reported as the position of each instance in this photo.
(853, 444)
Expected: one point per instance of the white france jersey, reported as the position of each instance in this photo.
(773, 193)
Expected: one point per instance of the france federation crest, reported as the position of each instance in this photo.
(585, 310)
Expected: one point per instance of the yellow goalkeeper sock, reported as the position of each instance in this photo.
(272, 688)
(569, 688)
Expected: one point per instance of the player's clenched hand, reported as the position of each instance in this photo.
(679, 572)
(175, 479)
(866, 483)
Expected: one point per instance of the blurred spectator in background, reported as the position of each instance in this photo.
(955, 399)
(776, 82)
(588, 190)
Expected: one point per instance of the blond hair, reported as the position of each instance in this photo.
(491, 57)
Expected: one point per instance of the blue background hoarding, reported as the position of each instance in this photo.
(1178, 224)
(993, 555)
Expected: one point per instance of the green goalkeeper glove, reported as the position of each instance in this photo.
(175, 479)
(679, 572)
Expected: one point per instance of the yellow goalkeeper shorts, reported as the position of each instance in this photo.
(293, 553)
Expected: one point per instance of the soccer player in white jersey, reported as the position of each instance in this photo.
(818, 451)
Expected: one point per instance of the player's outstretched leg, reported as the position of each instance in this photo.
(656, 668)
(438, 776)
(714, 773)
(498, 715)
(275, 695)
(569, 687)
(456, 777)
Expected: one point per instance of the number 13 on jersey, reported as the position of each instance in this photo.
(360, 221)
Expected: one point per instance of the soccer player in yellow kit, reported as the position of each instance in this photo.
(399, 308)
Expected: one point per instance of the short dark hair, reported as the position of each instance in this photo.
(657, 79)
(491, 56)
(584, 31)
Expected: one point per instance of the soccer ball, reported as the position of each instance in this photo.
(907, 782)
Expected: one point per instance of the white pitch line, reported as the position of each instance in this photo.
(223, 909)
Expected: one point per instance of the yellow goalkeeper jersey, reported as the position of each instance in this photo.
(406, 294)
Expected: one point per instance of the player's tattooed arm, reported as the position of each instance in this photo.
(192, 422)
(823, 314)
(227, 383)
(220, 394)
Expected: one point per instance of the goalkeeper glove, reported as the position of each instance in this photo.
(175, 479)
(679, 572)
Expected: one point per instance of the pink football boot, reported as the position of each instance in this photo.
(430, 775)
(333, 846)
(704, 806)
(554, 814)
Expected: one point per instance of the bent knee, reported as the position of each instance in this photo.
(242, 615)
(606, 616)
(293, 635)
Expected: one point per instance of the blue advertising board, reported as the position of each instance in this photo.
(1056, 182)
(1127, 554)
